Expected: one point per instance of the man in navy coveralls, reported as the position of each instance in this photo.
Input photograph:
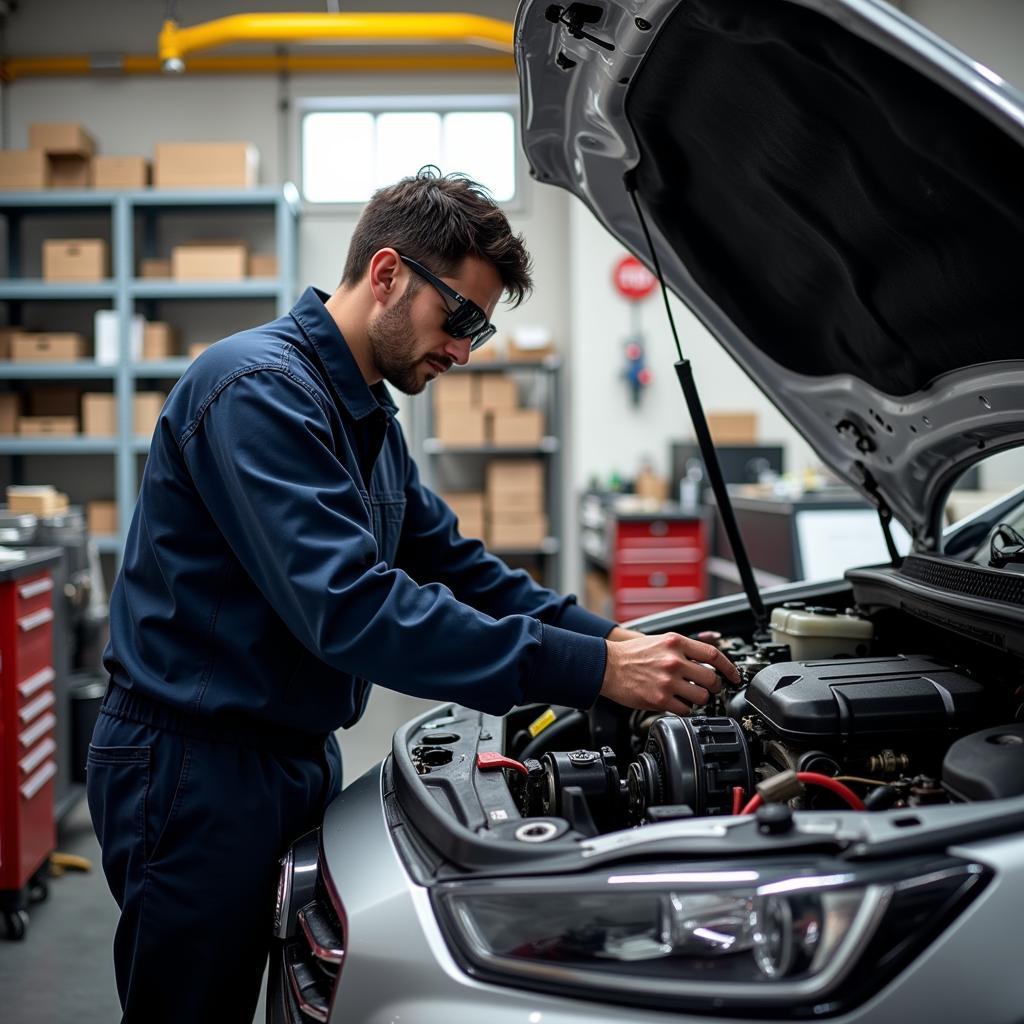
(283, 554)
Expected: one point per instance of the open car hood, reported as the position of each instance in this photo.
(834, 191)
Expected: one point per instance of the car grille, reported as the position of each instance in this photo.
(312, 960)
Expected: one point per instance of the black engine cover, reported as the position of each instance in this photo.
(857, 699)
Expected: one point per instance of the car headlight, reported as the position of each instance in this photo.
(798, 934)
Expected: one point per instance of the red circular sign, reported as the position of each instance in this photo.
(632, 279)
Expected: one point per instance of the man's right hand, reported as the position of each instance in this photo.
(667, 672)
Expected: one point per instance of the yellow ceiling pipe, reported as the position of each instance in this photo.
(129, 64)
(176, 44)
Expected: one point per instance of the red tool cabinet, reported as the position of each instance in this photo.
(27, 741)
(657, 563)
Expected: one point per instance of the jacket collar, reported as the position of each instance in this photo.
(320, 330)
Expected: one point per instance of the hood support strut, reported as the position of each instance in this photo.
(684, 371)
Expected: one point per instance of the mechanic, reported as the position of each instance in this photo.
(283, 553)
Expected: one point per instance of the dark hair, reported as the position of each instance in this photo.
(439, 219)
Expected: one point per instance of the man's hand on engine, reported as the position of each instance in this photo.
(667, 672)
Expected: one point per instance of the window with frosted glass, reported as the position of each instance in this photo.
(347, 155)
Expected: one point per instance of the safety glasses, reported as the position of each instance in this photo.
(467, 319)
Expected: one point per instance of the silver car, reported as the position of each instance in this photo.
(838, 196)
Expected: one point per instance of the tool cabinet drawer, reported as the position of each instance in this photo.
(626, 612)
(637, 533)
(33, 639)
(658, 577)
(33, 593)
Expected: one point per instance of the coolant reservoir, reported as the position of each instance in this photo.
(814, 633)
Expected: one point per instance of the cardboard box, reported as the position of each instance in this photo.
(120, 172)
(497, 391)
(23, 169)
(61, 400)
(101, 517)
(513, 480)
(262, 264)
(208, 262)
(527, 532)
(460, 427)
(197, 348)
(529, 343)
(469, 510)
(52, 347)
(48, 426)
(157, 340)
(146, 411)
(733, 427)
(74, 259)
(154, 266)
(99, 414)
(522, 428)
(61, 138)
(456, 390)
(517, 354)
(205, 165)
(649, 484)
(467, 503)
(40, 500)
(6, 336)
(70, 171)
(10, 410)
(597, 592)
(490, 353)
(473, 526)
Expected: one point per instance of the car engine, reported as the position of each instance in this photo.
(830, 714)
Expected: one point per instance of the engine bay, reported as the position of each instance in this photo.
(837, 709)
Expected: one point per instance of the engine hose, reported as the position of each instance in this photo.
(814, 779)
(543, 740)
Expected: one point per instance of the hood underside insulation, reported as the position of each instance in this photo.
(848, 214)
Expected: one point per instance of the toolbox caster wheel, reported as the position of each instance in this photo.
(38, 890)
(16, 924)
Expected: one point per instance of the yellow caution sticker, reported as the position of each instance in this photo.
(537, 726)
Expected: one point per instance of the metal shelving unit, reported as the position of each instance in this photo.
(547, 370)
(123, 290)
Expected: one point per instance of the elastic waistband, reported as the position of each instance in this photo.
(132, 706)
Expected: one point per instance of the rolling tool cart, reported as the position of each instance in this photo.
(27, 727)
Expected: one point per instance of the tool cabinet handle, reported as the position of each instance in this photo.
(30, 762)
(40, 779)
(43, 726)
(37, 707)
(29, 622)
(36, 587)
(36, 682)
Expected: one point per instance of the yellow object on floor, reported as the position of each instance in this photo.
(61, 862)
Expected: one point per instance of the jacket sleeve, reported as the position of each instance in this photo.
(263, 459)
(432, 548)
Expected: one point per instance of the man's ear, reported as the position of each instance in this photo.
(385, 275)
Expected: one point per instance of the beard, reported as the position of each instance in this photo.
(393, 344)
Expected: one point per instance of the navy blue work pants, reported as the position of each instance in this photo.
(191, 831)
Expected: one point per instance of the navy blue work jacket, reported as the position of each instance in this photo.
(283, 552)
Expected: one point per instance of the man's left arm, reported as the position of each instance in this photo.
(433, 550)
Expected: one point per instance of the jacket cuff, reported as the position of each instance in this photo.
(570, 669)
(579, 620)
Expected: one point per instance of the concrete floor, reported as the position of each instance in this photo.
(63, 970)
